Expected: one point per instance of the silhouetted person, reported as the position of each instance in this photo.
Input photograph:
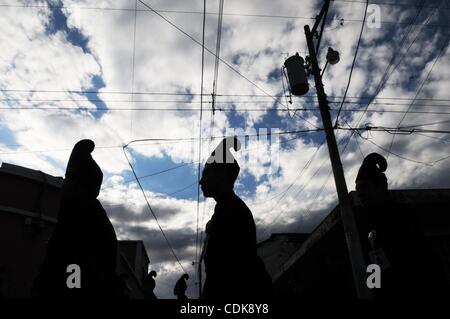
(149, 285)
(232, 266)
(371, 182)
(83, 235)
(396, 241)
(180, 287)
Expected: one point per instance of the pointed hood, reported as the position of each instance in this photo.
(82, 168)
(372, 170)
(221, 157)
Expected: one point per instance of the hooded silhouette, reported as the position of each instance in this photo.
(390, 235)
(232, 266)
(371, 182)
(83, 235)
(149, 285)
(180, 287)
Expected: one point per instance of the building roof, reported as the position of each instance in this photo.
(32, 174)
(292, 237)
(277, 249)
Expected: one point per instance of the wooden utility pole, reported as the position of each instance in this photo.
(348, 220)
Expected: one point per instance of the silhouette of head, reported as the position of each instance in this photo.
(83, 171)
(371, 182)
(221, 169)
(185, 277)
(152, 273)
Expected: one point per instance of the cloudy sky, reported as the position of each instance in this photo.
(69, 70)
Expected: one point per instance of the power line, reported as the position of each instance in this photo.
(96, 92)
(390, 130)
(386, 74)
(414, 40)
(353, 63)
(232, 110)
(312, 176)
(394, 104)
(284, 190)
(133, 67)
(359, 147)
(390, 111)
(412, 130)
(151, 210)
(419, 91)
(220, 59)
(353, 110)
(190, 163)
(159, 172)
(182, 189)
(308, 210)
(166, 195)
(329, 175)
(442, 139)
(216, 60)
(49, 100)
(388, 151)
(388, 4)
(213, 109)
(200, 129)
(236, 102)
(308, 163)
(280, 193)
(167, 140)
(427, 124)
(49, 151)
(231, 14)
(398, 155)
(326, 179)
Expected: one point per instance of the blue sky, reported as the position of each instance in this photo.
(168, 183)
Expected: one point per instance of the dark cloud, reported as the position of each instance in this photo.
(124, 214)
(304, 223)
(158, 250)
(161, 256)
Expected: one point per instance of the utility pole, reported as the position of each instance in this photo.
(348, 220)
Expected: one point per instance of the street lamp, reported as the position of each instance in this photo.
(332, 56)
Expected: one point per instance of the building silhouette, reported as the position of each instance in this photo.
(29, 203)
(416, 229)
